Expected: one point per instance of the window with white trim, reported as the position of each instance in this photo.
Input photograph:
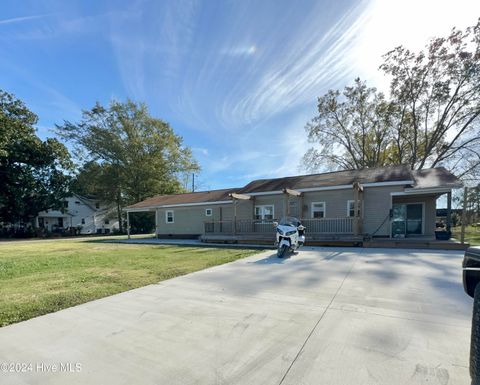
(264, 212)
(169, 217)
(350, 208)
(318, 209)
(208, 212)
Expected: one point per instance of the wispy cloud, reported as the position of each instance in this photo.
(146, 53)
(200, 150)
(317, 60)
(237, 79)
(245, 50)
(22, 19)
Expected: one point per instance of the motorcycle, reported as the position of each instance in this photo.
(290, 235)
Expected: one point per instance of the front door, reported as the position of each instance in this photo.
(407, 219)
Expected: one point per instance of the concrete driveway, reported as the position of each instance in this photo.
(325, 316)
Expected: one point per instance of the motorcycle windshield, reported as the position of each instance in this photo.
(290, 221)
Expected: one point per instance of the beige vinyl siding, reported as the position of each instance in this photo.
(335, 202)
(244, 210)
(429, 205)
(190, 220)
(377, 205)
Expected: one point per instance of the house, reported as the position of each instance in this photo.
(86, 216)
(387, 202)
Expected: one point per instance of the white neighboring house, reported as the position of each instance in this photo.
(88, 215)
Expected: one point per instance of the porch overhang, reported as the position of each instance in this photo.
(423, 191)
(244, 197)
(292, 192)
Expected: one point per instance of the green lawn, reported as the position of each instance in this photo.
(39, 277)
(472, 234)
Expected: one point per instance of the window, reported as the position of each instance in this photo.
(318, 209)
(264, 212)
(83, 221)
(169, 218)
(97, 205)
(208, 212)
(351, 208)
(78, 202)
(65, 204)
(107, 221)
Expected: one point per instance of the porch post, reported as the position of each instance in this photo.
(449, 211)
(285, 204)
(355, 209)
(360, 212)
(234, 216)
(156, 222)
(300, 208)
(128, 224)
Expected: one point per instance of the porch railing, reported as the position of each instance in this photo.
(329, 225)
(313, 226)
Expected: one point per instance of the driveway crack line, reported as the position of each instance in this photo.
(316, 324)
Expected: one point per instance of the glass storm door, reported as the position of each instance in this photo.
(407, 219)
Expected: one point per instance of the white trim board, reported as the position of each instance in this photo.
(177, 205)
(439, 190)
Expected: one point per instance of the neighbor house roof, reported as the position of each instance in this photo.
(427, 178)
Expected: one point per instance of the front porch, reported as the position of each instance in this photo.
(263, 231)
(339, 226)
(324, 232)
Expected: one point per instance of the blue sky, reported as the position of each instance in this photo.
(237, 79)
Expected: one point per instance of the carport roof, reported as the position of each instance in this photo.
(421, 179)
(187, 198)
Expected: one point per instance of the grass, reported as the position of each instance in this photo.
(472, 234)
(40, 277)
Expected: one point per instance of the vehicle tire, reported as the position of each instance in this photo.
(281, 251)
(475, 338)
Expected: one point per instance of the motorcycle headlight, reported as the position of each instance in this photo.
(291, 232)
(279, 231)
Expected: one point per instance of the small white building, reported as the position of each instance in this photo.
(86, 215)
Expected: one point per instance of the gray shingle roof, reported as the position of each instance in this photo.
(427, 178)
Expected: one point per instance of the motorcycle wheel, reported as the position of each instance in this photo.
(281, 251)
